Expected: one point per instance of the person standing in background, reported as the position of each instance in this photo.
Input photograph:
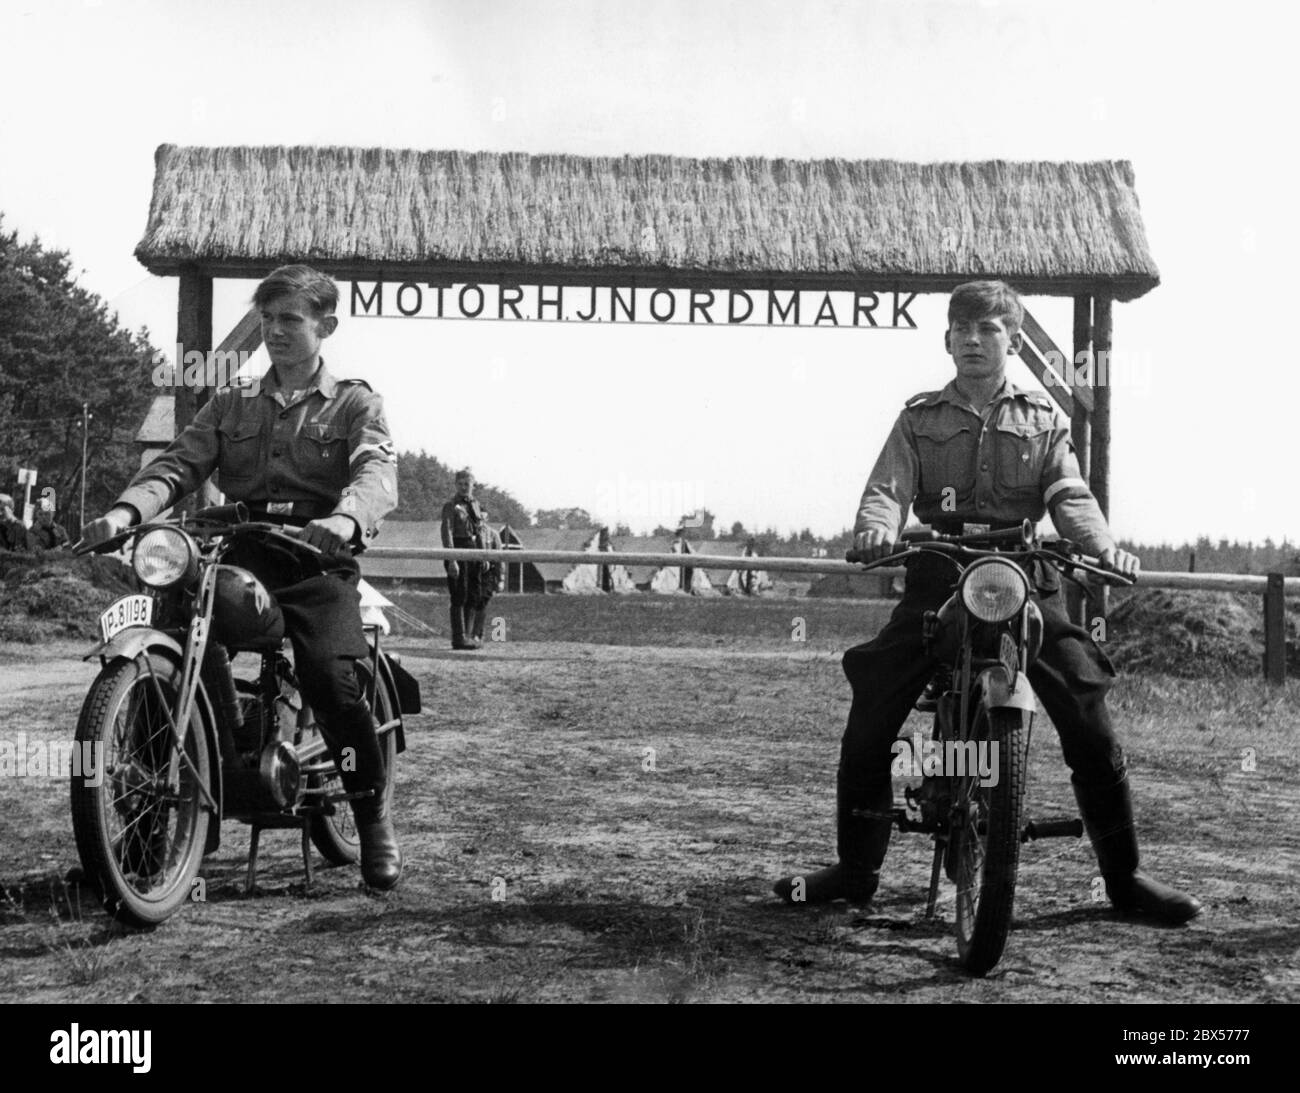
(46, 533)
(462, 522)
(13, 532)
(489, 576)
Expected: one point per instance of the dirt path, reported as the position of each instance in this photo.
(529, 780)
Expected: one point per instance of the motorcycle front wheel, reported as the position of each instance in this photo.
(334, 831)
(138, 811)
(986, 840)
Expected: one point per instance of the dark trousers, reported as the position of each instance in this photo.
(322, 618)
(464, 595)
(1070, 677)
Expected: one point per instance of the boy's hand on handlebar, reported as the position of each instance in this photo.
(1120, 561)
(113, 522)
(872, 544)
(330, 534)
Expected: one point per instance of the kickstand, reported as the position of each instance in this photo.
(939, 848)
(306, 851)
(303, 823)
(253, 840)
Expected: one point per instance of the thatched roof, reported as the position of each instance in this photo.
(363, 213)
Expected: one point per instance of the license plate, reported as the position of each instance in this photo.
(127, 612)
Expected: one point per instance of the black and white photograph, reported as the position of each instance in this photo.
(571, 501)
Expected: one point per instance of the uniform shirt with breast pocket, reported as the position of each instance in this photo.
(318, 452)
(1013, 462)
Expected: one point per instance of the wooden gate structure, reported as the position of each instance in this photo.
(867, 227)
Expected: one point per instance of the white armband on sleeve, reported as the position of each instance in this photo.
(1076, 487)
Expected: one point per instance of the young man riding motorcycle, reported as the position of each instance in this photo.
(982, 452)
(307, 449)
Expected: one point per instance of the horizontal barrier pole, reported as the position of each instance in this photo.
(613, 557)
(1201, 582)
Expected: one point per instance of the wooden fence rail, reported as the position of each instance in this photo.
(1274, 588)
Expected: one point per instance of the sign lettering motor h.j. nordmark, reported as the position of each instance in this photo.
(633, 304)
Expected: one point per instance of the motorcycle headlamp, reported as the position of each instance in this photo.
(165, 556)
(994, 589)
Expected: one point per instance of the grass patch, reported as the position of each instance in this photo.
(675, 621)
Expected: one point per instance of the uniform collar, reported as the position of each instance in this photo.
(321, 381)
(950, 394)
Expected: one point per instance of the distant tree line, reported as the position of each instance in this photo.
(1207, 556)
(425, 484)
(60, 347)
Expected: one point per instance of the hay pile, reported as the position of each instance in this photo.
(56, 595)
(1194, 634)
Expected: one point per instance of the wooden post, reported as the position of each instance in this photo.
(1082, 346)
(1099, 432)
(1076, 603)
(1274, 630)
(1099, 463)
(193, 332)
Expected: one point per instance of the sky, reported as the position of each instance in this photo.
(771, 427)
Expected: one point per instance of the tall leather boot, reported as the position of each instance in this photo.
(1107, 812)
(381, 859)
(861, 842)
(467, 626)
(480, 617)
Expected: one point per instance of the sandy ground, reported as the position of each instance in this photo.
(547, 861)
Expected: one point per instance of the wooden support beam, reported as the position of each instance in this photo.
(193, 332)
(1099, 470)
(1055, 387)
(1081, 340)
(245, 336)
(1275, 629)
(1042, 341)
(1079, 423)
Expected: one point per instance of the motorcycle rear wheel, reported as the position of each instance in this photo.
(141, 830)
(334, 833)
(986, 841)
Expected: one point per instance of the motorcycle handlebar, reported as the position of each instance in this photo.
(234, 517)
(928, 541)
(234, 513)
(1023, 534)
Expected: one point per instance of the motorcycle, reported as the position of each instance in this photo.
(180, 742)
(984, 636)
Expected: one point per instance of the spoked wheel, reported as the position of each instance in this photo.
(986, 841)
(142, 825)
(334, 831)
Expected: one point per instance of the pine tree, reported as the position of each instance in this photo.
(59, 348)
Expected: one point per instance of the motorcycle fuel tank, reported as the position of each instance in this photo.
(244, 614)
